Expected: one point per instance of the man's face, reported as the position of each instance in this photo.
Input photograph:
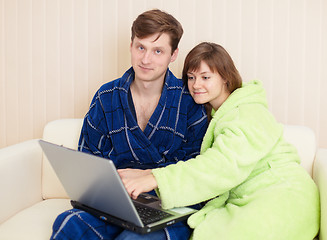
(151, 57)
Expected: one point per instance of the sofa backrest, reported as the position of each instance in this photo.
(64, 132)
(303, 138)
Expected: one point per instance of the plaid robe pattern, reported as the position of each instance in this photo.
(174, 132)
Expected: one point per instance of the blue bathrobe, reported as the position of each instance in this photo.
(110, 130)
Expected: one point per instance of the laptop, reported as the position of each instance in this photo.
(93, 185)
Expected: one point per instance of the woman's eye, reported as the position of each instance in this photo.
(205, 78)
(190, 77)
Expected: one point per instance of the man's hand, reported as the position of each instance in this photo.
(137, 181)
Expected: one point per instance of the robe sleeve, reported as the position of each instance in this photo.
(232, 147)
(94, 136)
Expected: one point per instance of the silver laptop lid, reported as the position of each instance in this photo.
(92, 181)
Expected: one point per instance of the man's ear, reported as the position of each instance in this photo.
(174, 55)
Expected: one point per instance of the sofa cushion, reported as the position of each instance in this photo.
(64, 132)
(34, 222)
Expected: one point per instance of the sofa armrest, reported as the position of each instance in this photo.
(20, 177)
(320, 178)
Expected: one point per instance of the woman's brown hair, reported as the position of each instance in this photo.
(218, 60)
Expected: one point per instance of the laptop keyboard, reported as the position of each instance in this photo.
(149, 215)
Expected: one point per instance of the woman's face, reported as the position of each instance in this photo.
(206, 86)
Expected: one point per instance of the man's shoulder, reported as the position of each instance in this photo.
(172, 80)
(177, 87)
(110, 85)
(113, 86)
(175, 84)
(118, 84)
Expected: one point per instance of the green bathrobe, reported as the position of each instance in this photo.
(249, 175)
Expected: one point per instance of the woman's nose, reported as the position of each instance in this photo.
(196, 84)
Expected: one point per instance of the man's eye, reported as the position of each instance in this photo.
(158, 51)
(141, 48)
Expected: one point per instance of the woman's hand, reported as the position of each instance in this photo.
(137, 181)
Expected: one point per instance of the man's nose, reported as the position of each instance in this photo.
(146, 58)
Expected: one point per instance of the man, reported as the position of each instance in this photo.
(145, 119)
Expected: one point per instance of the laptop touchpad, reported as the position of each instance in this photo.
(146, 198)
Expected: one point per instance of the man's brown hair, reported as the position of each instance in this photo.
(157, 21)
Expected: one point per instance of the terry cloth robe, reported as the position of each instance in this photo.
(249, 175)
(173, 133)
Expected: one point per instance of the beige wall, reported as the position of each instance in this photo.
(54, 54)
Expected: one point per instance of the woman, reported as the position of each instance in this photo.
(247, 173)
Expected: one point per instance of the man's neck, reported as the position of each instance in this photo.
(147, 88)
(146, 95)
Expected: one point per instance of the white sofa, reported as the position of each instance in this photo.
(32, 196)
